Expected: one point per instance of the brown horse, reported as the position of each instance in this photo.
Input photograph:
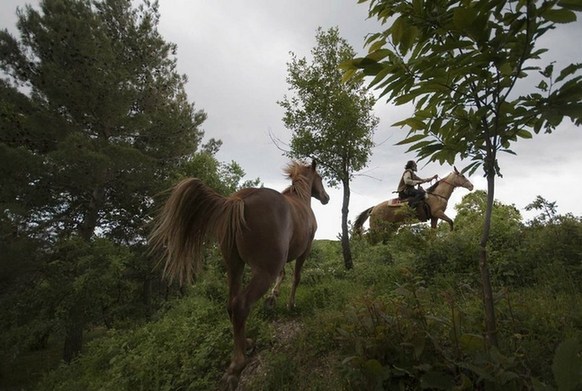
(260, 227)
(437, 197)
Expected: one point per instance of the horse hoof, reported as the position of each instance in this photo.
(270, 303)
(250, 347)
(228, 382)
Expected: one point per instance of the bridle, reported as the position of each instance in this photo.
(448, 183)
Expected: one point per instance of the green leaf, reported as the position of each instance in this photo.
(397, 30)
(464, 17)
(539, 386)
(348, 74)
(569, 70)
(472, 342)
(419, 343)
(376, 46)
(567, 365)
(506, 376)
(372, 68)
(373, 369)
(411, 139)
(524, 134)
(559, 15)
(434, 147)
(415, 124)
(405, 98)
(410, 35)
(506, 69)
(573, 5)
(419, 146)
(437, 380)
(378, 55)
(380, 76)
(471, 168)
(481, 372)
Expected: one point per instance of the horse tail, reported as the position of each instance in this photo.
(192, 213)
(361, 219)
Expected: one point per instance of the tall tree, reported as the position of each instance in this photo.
(96, 119)
(331, 120)
(463, 65)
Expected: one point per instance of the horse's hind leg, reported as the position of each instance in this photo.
(240, 307)
(235, 268)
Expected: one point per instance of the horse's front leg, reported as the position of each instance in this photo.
(296, 278)
(272, 298)
(440, 215)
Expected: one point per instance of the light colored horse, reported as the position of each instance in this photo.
(261, 228)
(437, 197)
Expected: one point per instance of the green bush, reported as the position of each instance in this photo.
(418, 338)
(408, 316)
(185, 349)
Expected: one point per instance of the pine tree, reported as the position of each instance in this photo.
(95, 122)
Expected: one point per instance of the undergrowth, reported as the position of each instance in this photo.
(386, 324)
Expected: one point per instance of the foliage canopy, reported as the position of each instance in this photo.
(464, 65)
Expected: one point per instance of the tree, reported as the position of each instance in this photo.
(553, 243)
(331, 121)
(547, 208)
(461, 64)
(96, 120)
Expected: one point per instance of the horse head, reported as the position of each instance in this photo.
(317, 189)
(459, 180)
(306, 182)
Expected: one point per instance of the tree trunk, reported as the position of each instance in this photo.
(76, 321)
(73, 335)
(490, 322)
(346, 250)
(147, 297)
(87, 228)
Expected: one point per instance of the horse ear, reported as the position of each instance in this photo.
(313, 164)
(457, 171)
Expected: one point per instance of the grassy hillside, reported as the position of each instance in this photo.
(408, 316)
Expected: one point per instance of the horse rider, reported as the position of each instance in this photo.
(407, 186)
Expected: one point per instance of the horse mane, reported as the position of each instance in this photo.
(433, 187)
(299, 181)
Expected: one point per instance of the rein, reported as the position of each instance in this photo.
(438, 195)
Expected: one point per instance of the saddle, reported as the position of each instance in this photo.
(423, 212)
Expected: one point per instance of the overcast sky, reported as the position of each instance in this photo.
(235, 55)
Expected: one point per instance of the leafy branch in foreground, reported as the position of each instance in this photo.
(465, 67)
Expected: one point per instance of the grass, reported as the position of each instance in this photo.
(338, 336)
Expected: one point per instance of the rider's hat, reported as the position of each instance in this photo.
(411, 164)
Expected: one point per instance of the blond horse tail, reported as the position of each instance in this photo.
(360, 220)
(192, 214)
